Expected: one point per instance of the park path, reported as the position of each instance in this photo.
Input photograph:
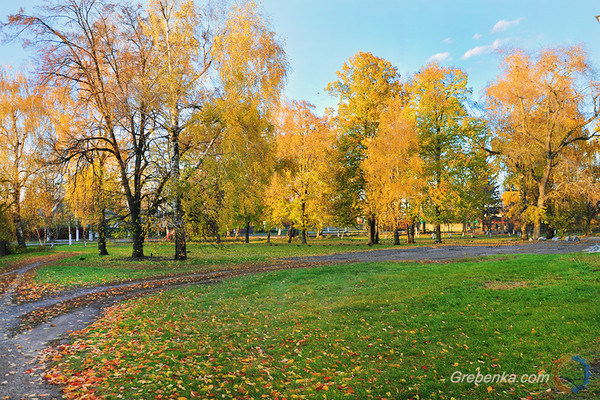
(19, 370)
(452, 252)
(27, 328)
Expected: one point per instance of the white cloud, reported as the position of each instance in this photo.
(503, 25)
(477, 36)
(479, 50)
(440, 57)
(447, 41)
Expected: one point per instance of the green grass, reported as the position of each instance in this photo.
(9, 262)
(360, 331)
(88, 268)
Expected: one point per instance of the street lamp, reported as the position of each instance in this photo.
(598, 18)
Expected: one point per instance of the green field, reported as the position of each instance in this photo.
(353, 331)
(87, 268)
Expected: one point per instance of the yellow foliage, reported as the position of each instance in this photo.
(392, 167)
(301, 189)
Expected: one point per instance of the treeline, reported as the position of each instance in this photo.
(170, 115)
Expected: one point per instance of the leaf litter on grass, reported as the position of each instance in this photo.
(384, 331)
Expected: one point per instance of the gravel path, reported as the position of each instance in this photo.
(21, 371)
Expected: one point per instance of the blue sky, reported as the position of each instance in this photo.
(320, 35)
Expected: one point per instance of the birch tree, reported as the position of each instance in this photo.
(24, 122)
(182, 38)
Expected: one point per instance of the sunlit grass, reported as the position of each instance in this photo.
(370, 330)
(88, 268)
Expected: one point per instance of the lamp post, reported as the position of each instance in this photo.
(598, 18)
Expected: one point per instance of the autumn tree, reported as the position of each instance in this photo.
(446, 134)
(98, 48)
(363, 87)
(540, 106)
(182, 37)
(228, 122)
(92, 188)
(252, 68)
(301, 189)
(393, 171)
(574, 200)
(248, 156)
(44, 209)
(24, 123)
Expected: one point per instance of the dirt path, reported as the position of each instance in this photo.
(19, 374)
(453, 252)
(25, 329)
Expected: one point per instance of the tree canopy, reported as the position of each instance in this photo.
(172, 123)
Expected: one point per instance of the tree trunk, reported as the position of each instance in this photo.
(371, 228)
(178, 221)
(438, 233)
(134, 197)
(591, 212)
(303, 205)
(269, 236)
(4, 247)
(17, 219)
(218, 238)
(411, 233)
(438, 179)
(247, 232)
(137, 231)
(524, 235)
(102, 233)
(396, 236)
(179, 225)
(541, 199)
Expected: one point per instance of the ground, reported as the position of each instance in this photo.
(54, 294)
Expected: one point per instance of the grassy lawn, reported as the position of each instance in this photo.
(89, 268)
(359, 331)
(31, 255)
